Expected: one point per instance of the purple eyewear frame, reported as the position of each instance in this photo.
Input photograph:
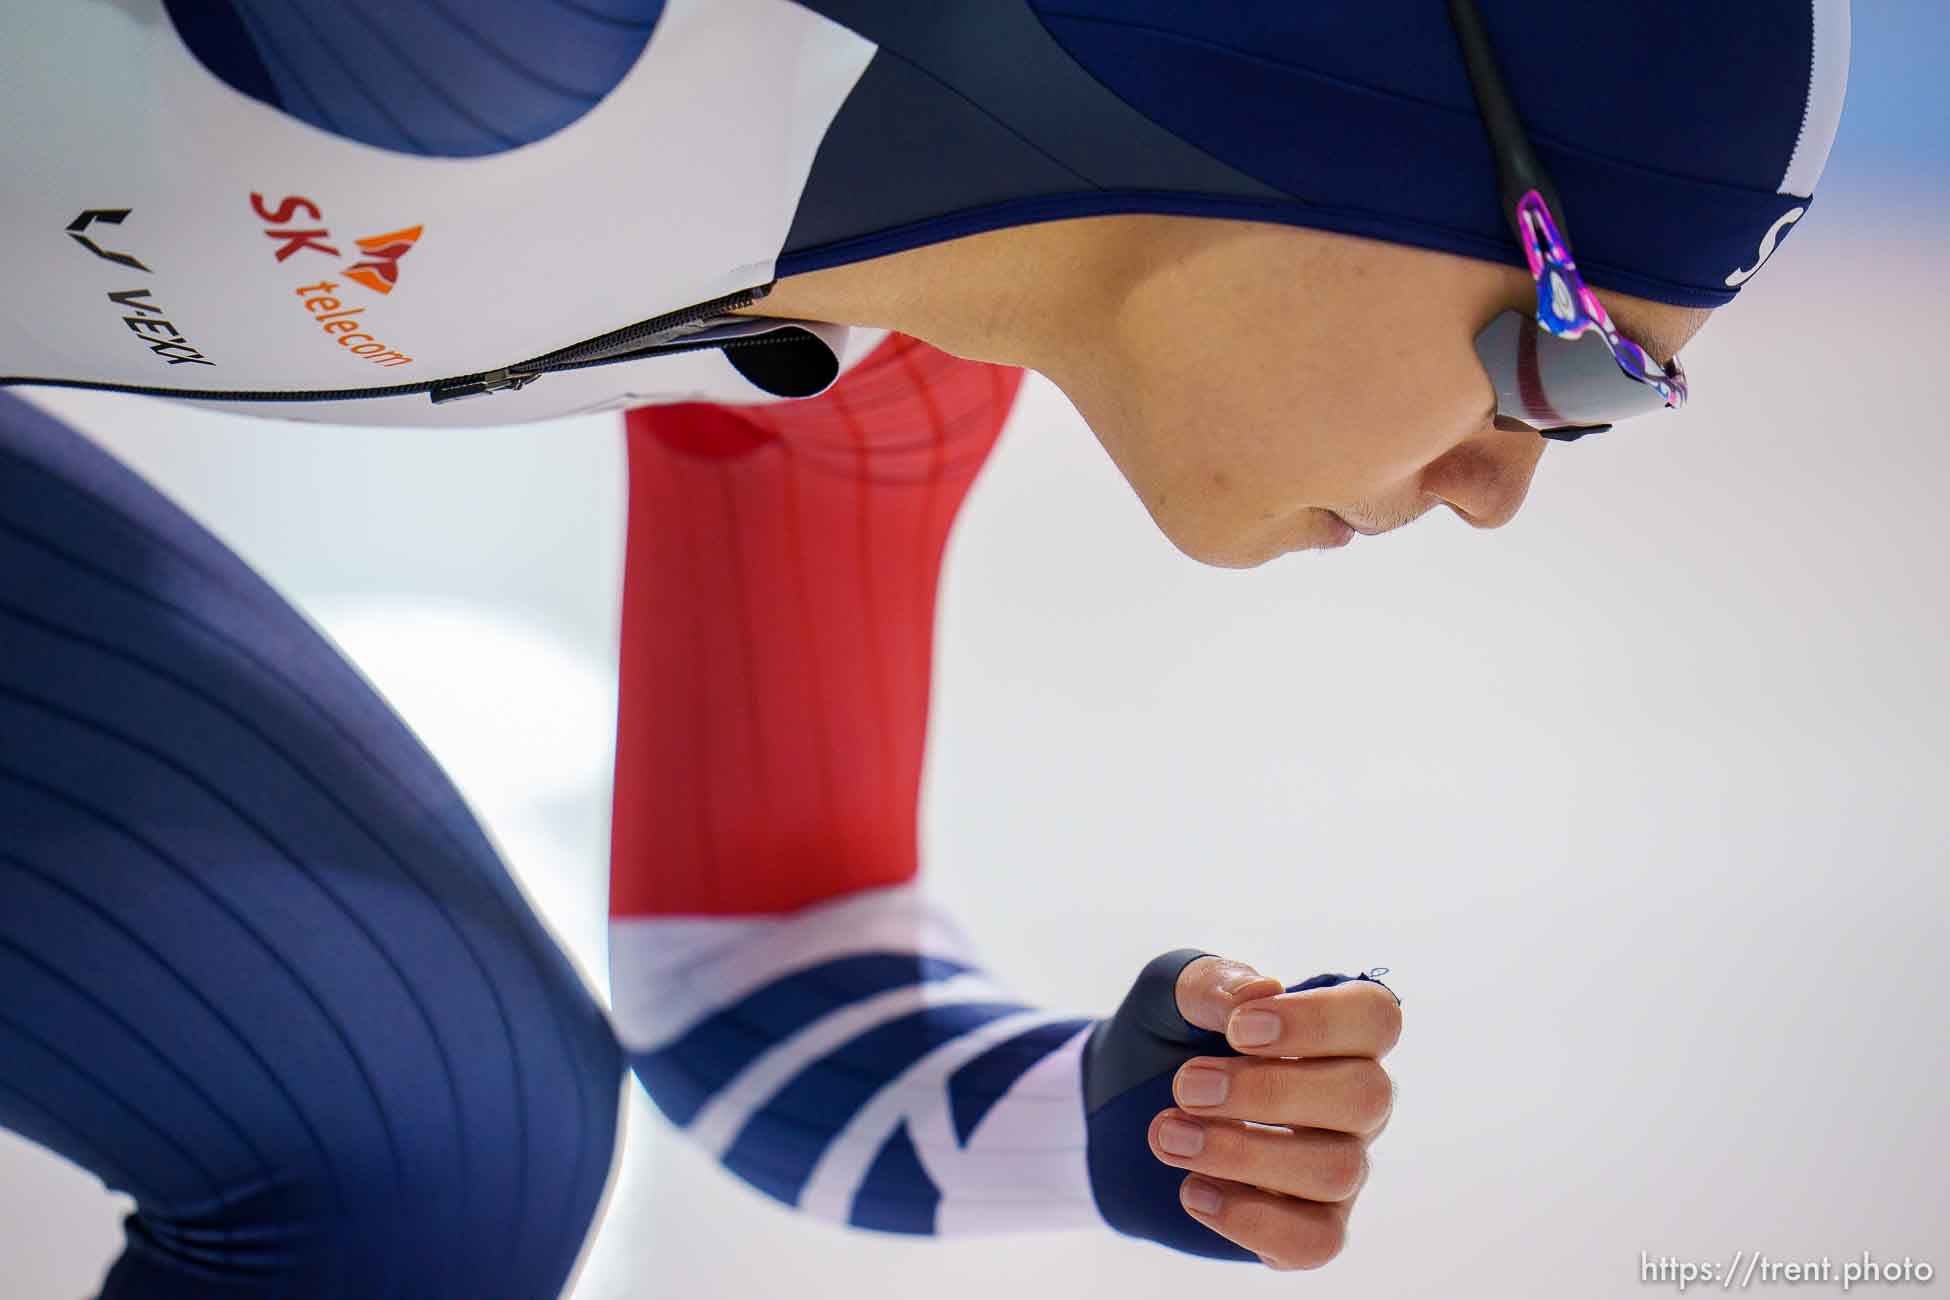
(1567, 307)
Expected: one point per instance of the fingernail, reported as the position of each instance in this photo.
(1181, 1139)
(1231, 984)
(1201, 1196)
(1253, 1028)
(1201, 1087)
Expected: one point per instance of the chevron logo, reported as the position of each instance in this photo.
(112, 216)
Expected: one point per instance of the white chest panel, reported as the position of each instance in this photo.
(247, 250)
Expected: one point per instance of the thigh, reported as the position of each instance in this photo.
(259, 966)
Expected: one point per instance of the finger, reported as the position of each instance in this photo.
(1284, 1232)
(1386, 1120)
(1358, 1018)
(1316, 1164)
(1211, 987)
(1350, 1094)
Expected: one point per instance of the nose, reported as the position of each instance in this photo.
(1486, 478)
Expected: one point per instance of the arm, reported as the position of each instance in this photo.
(852, 1060)
(788, 997)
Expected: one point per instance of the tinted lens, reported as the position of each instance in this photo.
(1549, 382)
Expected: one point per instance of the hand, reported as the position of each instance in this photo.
(1311, 1065)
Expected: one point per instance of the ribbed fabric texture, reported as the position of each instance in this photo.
(438, 78)
(259, 967)
(778, 633)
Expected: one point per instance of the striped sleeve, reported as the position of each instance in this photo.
(851, 1060)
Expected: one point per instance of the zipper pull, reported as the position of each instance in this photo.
(507, 379)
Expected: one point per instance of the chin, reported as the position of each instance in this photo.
(1236, 559)
(1222, 549)
(1310, 530)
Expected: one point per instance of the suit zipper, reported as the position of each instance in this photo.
(657, 336)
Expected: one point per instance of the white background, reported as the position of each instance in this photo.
(1643, 798)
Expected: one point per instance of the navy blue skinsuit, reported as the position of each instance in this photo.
(258, 965)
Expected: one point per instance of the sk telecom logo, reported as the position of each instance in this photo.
(377, 271)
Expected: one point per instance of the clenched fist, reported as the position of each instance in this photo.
(1210, 1053)
(1310, 1064)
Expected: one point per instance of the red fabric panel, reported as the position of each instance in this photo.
(778, 628)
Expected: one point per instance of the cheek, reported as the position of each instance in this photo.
(1234, 473)
(1236, 503)
(1233, 495)
(1214, 502)
(1220, 496)
(1382, 433)
(1404, 387)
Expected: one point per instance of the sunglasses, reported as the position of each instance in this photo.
(1573, 373)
